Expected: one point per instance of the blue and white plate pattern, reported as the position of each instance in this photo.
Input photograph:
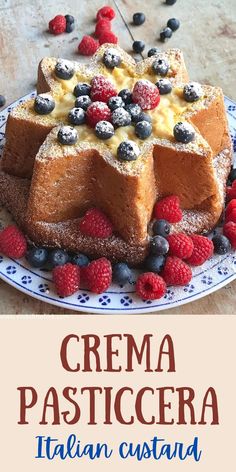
(213, 275)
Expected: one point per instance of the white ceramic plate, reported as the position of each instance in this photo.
(211, 276)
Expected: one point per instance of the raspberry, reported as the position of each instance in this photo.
(146, 94)
(96, 224)
(203, 249)
(102, 89)
(96, 112)
(180, 245)
(231, 215)
(57, 25)
(150, 286)
(168, 209)
(12, 242)
(230, 207)
(98, 275)
(176, 272)
(231, 191)
(106, 12)
(102, 25)
(66, 279)
(229, 230)
(88, 46)
(108, 37)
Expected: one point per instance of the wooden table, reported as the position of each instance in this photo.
(207, 36)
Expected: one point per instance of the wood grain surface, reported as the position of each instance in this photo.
(207, 36)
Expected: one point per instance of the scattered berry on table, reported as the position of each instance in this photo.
(80, 260)
(159, 246)
(70, 23)
(44, 104)
(166, 33)
(88, 46)
(164, 86)
(184, 132)
(66, 279)
(2, 100)
(168, 208)
(192, 92)
(67, 135)
(126, 96)
(138, 46)
(229, 231)
(153, 52)
(82, 88)
(134, 110)
(121, 117)
(232, 175)
(64, 69)
(76, 116)
(150, 286)
(154, 263)
(37, 256)
(121, 273)
(96, 224)
(138, 18)
(231, 192)
(106, 12)
(202, 250)
(161, 227)
(146, 94)
(115, 102)
(231, 216)
(128, 151)
(98, 275)
(111, 58)
(143, 129)
(12, 242)
(102, 25)
(97, 111)
(57, 25)
(83, 101)
(108, 37)
(173, 24)
(181, 245)
(104, 130)
(170, 2)
(142, 117)
(176, 272)
(221, 244)
(58, 257)
(102, 89)
(160, 67)
(229, 209)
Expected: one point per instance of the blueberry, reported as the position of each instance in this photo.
(138, 18)
(154, 263)
(58, 257)
(64, 69)
(143, 129)
(115, 102)
(232, 175)
(166, 33)
(80, 260)
(120, 117)
(161, 228)
(83, 101)
(70, 23)
(121, 273)
(170, 2)
(160, 67)
(44, 104)
(126, 96)
(67, 135)
(134, 110)
(76, 116)
(104, 130)
(142, 117)
(82, 88)
(192, 92)
(164, 86)
(111, 58)
(184, 132)
(221, 244)
(173, 24)
(2, 100)
(128, 151)
(37, 256)
(153, 52)
(159, 246)
(138, 46)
